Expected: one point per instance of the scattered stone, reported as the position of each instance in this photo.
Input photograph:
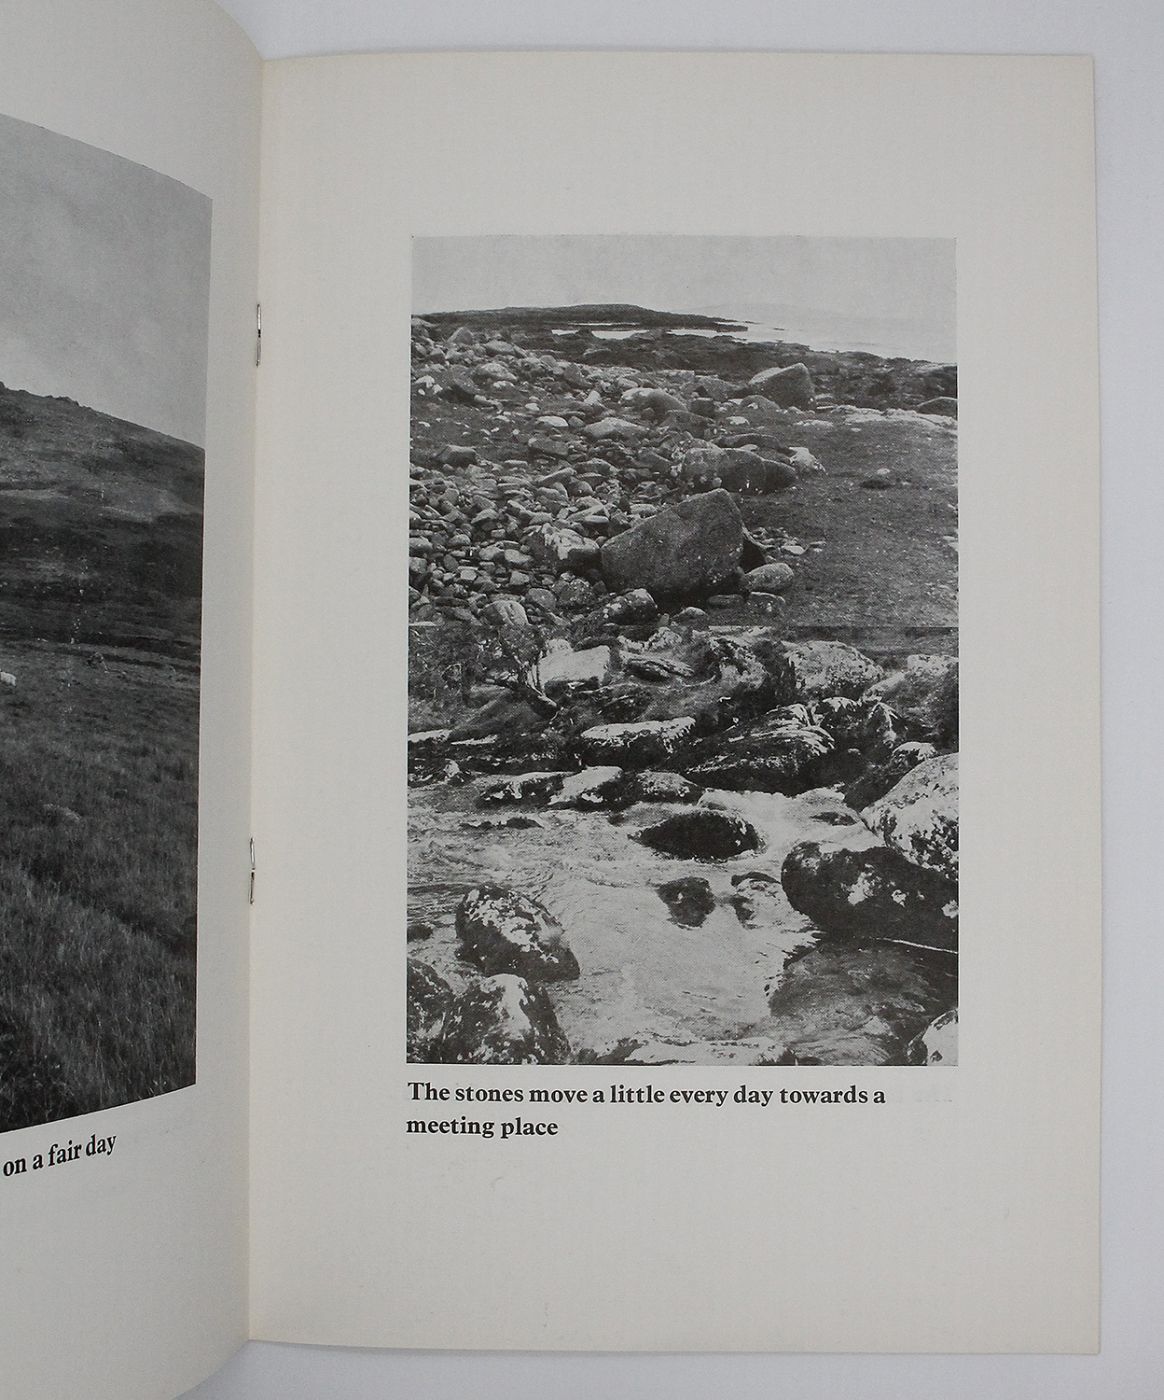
(562, 663)
(517, 823)
(651, 786)
(767, 603)
(656, 401)
(790, 387)
(541, 445)
(825, 668)
(758, 899)
(541, 598)
(635, 744)
(637, 606)
(561, 548)
(805, 463)
(526, 788)
(499, 930)
(692, 617)
(503, 1020)
(607, 429)
(593, 787)
(768, 578)
(574, 595)
(505, 612)
(690, 900)
(457, 456)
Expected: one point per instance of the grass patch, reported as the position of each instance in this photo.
(98, 882)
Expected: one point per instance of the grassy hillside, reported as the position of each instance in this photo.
(100, 579)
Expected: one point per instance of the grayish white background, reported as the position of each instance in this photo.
(104, 282)
(1126, 38)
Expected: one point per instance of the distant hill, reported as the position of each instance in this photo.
(614, 314)
(100, 528)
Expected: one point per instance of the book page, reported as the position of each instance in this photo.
(128, 247)
(717, 965)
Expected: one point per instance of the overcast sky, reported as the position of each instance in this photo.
(104, 282)
(908, 279)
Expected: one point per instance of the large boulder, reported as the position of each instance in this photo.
(790, 387)
(841, 1004)
(779, 753)
(824, 668)
(635, 744)
(499, 930)
(749, 474)
(503, 1020)
(870, 894)
(429, 1000)
(736, 469)
(924, 695)
(919, 816)
(685, 550)
(703, 833)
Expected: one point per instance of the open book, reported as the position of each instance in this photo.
(552, 769)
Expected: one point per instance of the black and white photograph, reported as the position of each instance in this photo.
(104, 295)
(683, 651)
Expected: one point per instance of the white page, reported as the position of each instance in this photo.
(125, 1275)
(960, 1215)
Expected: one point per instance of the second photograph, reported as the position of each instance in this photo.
(683, 651)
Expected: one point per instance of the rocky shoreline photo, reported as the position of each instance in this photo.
(683, 694)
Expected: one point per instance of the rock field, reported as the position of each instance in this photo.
(653, 575)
